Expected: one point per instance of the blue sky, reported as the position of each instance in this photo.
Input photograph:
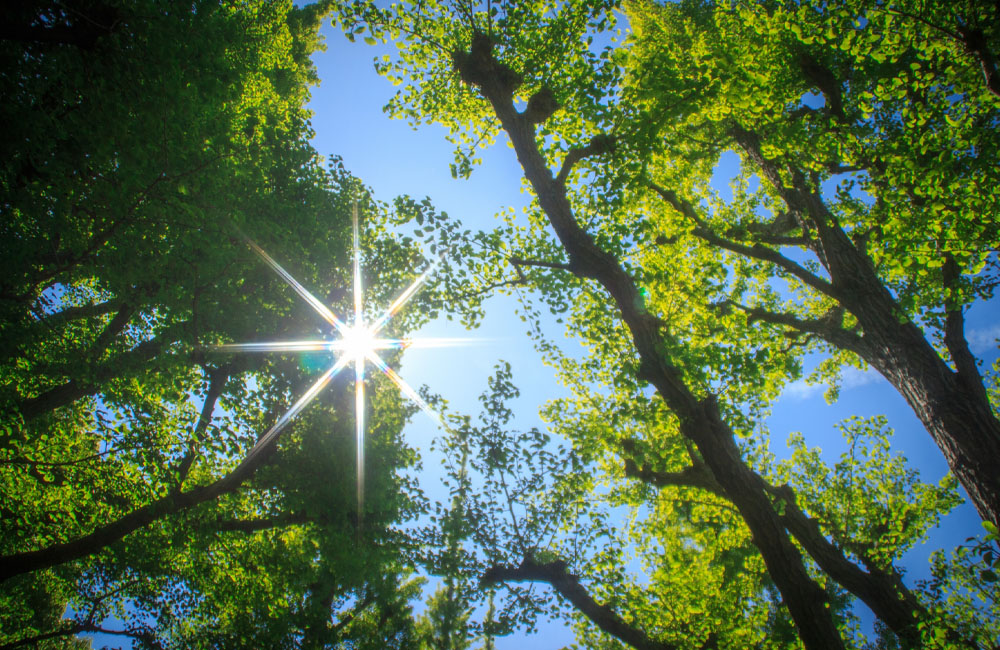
(393, 158)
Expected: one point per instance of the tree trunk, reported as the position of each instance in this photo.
(700, 420)
(951, 404)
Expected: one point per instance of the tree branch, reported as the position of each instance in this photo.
(73, 389)
(828, 327)
(77, 628)
(176, 501)
(55, 319)
(263, 523)
(217, 379)
(882, 589)
(756, 251)
(821, 77)
(598, 145)
(519, 262)
(700, 418)
(696, 476)
(954, 331)
(568, 586)
(975, 43)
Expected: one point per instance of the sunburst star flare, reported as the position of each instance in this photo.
(358, 344)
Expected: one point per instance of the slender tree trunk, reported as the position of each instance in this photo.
(700, 420)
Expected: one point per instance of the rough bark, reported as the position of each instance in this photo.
(951, 404)
(568, 586)
(975, 43)
(881, 588)
(700, 420)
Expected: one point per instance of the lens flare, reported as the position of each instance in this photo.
(358, 344)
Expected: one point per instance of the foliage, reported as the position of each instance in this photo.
(861, 224)
(148, 140)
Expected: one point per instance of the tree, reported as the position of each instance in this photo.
(471, 68)
(888, 259)
(147, 141)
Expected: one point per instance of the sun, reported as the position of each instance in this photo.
(358, 344)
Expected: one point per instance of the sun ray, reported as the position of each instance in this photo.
(358, 291)
(403, 298)
(404, 387)
(434, 342)
(358, 344)
(274, 346)
(359, 430)
(313, 301)
(302, 402)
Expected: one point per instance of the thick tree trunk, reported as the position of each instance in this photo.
(952, 404)
(955, 412)
(700, 419)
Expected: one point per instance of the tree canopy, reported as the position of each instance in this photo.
(862, 223)
(150, 140)
(147, 141)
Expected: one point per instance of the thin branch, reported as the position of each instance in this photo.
(823, 78)
(76, 312)
(77, 628)
(355, 611)
(696, 476)
(519, 262)
(264, 523)
(704, 232)
(73, 390)
(217, 379)
(827, 327)
(954, 331)
(109, 533)
(944, 30)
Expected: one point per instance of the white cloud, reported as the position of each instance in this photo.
(983, 340)
(799, 390)
(850, 378)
